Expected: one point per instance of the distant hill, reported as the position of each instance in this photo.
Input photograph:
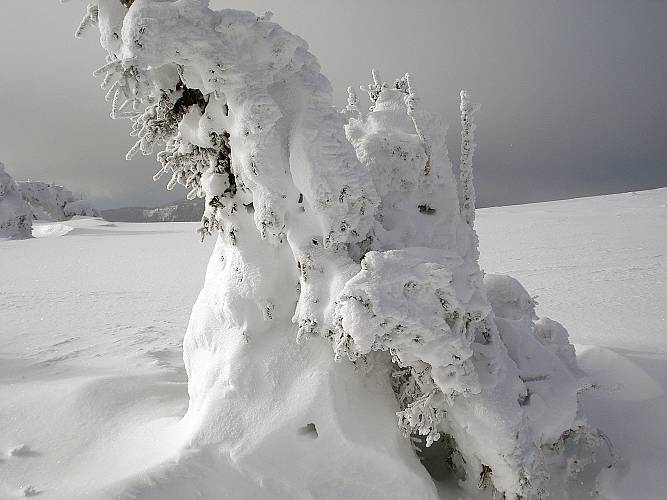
(179, 211)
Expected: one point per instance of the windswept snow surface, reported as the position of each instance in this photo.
(92, 315)
(596, 264)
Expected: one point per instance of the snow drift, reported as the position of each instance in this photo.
(344, 320)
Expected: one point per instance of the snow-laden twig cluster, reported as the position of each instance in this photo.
(90, 19)
(123, 83)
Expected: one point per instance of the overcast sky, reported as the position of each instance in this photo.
(573, 92)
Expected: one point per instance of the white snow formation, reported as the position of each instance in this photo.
(15, 214)
(52, 202)
(337, 232)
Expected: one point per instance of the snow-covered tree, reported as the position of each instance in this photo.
(344, 232)
(472, 370)
(15, 215)
(53, 202)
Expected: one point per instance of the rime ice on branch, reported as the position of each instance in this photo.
(344, 231)
(468, 127)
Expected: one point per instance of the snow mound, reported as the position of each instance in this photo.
(21, 450)
(50, 229)
(616, 375)
(76, 225)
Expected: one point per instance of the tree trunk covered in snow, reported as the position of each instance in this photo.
(343, 310)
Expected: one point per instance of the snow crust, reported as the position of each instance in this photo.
(15, 215)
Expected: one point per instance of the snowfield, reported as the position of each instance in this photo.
(92, 316)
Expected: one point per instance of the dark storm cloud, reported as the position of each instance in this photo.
(572, 91)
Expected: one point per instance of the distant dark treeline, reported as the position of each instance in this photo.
(179, 211)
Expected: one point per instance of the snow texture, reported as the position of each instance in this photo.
(15, 215)
(344, 231)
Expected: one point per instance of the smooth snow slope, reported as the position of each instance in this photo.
(92, 316)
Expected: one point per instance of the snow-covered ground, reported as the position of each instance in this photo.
(92, 314)
(599, 266)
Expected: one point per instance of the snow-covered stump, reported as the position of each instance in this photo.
(344, 232)
(15, 214)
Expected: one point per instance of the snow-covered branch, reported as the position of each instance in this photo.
(468, 146)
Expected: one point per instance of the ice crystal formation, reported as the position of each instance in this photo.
(344, 295)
